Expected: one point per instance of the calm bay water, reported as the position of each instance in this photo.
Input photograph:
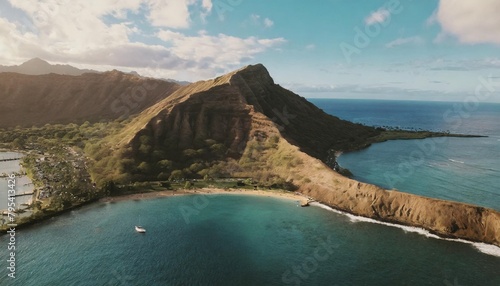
(235, 240)
(458, 169)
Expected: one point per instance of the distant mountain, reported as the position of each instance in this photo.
(52, 98)
(166, 79)
(180, 82)
(38, 66)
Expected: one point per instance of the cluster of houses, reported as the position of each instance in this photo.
(56, 173)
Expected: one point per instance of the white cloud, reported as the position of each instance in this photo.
(173, 13)
(441, 38)
(207, 5)
(256, 20)
(311, 47)
(432, 19)
(378, 16)
(77, 32)
(371, 91)
(268, 23)
(217, 52)
(416, 40)
(72, 27)
(300, 88)
(464, 65)
(471, 22)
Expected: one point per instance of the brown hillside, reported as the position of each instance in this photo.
(36, 100)
(221, 108)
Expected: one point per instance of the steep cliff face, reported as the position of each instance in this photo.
(213, 114)
(39, 99)
(221, 109)
(298, 120)
(444, 218)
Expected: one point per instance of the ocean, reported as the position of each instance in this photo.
(235, 240)
(249, 240)
(458, 169)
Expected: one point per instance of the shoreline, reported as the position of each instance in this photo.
(302, 199)
(207, 191)
(485, 248)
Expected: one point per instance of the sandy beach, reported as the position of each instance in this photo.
(209, 191)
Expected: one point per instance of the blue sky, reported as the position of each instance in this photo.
(392, 49)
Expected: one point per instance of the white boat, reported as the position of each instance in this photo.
(140, 229)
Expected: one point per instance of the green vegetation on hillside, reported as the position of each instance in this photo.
(399, 134)
(55, 162)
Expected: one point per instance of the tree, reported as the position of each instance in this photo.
(218, 149)
(196, 167)
(18, 143)
(145, 139)
(210, 142)
(144, 148)
(110, 188)
(158, 154)
(144, 167)
(190, 153)
(176, 175)
(162, 176)
(165, 164)
(215, 172)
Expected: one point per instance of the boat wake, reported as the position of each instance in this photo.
(482, 247)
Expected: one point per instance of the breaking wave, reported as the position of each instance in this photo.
(482, 247)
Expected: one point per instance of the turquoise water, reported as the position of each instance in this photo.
(235, 240)
(458, 169)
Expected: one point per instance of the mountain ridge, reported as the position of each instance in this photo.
(52, 98)
(254, 87)
(37, 66)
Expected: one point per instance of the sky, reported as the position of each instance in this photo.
(383, 49)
